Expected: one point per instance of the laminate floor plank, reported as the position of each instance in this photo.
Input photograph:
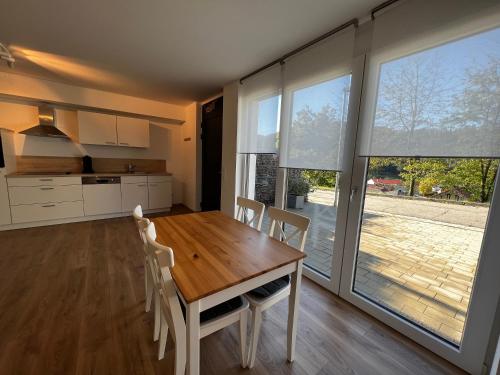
(72, 302)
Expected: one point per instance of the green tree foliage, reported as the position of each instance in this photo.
(325, 179)
(472, 177)
(415, 170)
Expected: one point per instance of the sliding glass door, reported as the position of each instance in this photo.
(394, 156)
(420, 238)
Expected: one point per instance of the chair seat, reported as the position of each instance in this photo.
(219, 310)
(269, 289)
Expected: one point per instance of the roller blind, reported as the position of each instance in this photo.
(433, 86)
(316, 85)
(260, 101)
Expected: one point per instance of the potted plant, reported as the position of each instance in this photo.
(297, 192)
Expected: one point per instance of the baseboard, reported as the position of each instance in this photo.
(75, 219)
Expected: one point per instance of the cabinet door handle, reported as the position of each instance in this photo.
(143, 185)
(49, 205)
(110, 143)
(45, 179)
(124, 143)
(47, 188)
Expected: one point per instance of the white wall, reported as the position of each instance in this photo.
(191, 156)
(229, 132)
(166, 144)
(38, 89)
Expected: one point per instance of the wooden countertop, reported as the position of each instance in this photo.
(213, 252)
(112, 174)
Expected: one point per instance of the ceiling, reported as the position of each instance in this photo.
(170, 50)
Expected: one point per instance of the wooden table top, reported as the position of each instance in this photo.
(213, 252)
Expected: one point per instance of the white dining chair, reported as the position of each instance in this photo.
(173, 312)
(267, 295)
(149, 275)
(243, 214)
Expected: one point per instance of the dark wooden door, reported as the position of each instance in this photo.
(211, 136)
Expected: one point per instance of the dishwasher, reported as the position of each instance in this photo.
(101, 195)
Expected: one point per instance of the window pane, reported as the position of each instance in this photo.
(443, 101)
(314, 139)
(422, 228)
(314, 194)
(262, 172)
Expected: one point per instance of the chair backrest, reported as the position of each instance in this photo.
(141, 223)
(301, 223)
(163, 261)
(245, 204)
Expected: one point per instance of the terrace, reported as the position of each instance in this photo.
(417, 258)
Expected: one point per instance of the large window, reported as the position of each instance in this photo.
(421, 235)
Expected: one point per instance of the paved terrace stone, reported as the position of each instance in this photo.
(421, 266)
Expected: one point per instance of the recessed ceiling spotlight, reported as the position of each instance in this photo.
(6, 56)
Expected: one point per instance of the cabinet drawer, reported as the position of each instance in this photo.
(134, 179)
(44, 181)
(44, 194)
(159, 178)
(50, 211)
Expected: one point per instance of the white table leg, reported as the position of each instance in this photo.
(193, 338)
(293, 311)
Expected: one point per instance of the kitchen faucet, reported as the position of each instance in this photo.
(131, 168)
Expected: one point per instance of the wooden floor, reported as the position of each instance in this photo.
(72, 302)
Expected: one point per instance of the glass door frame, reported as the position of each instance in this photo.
(333, 283)
(485, 293)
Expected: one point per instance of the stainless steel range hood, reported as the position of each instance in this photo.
(47, 125)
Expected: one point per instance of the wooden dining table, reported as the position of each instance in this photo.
(218, 258)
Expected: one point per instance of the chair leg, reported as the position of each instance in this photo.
(180, 357)
(148, 285)
(156, 333)
(254, 338)
(163, 337)
(243, 337)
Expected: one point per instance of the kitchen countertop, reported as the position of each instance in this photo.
(102, 174)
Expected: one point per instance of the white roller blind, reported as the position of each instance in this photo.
(433, 86)
(315, 100)
(260, 101)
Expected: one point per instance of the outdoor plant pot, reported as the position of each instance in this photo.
(295, 201)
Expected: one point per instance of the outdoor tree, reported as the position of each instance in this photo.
(411, 97)
(472, 177)
(415, 170)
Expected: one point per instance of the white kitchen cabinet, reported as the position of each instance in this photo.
(102, 199)
(44, 194)
(4, 200)
(133, 194)
(27, 213)
(160, 192)
(97, 128)
(132, 132)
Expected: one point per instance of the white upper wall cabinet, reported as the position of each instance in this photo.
(97, 128)
(132, 132)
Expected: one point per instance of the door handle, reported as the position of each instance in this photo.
(47, 188)
(45, 179)
(49, 205)
(354, 191)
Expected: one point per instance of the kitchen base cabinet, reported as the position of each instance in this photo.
(47, 211)
(134, 194)
(160, 195)
(102, 199)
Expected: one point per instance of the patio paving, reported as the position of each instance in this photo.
(421, 266)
